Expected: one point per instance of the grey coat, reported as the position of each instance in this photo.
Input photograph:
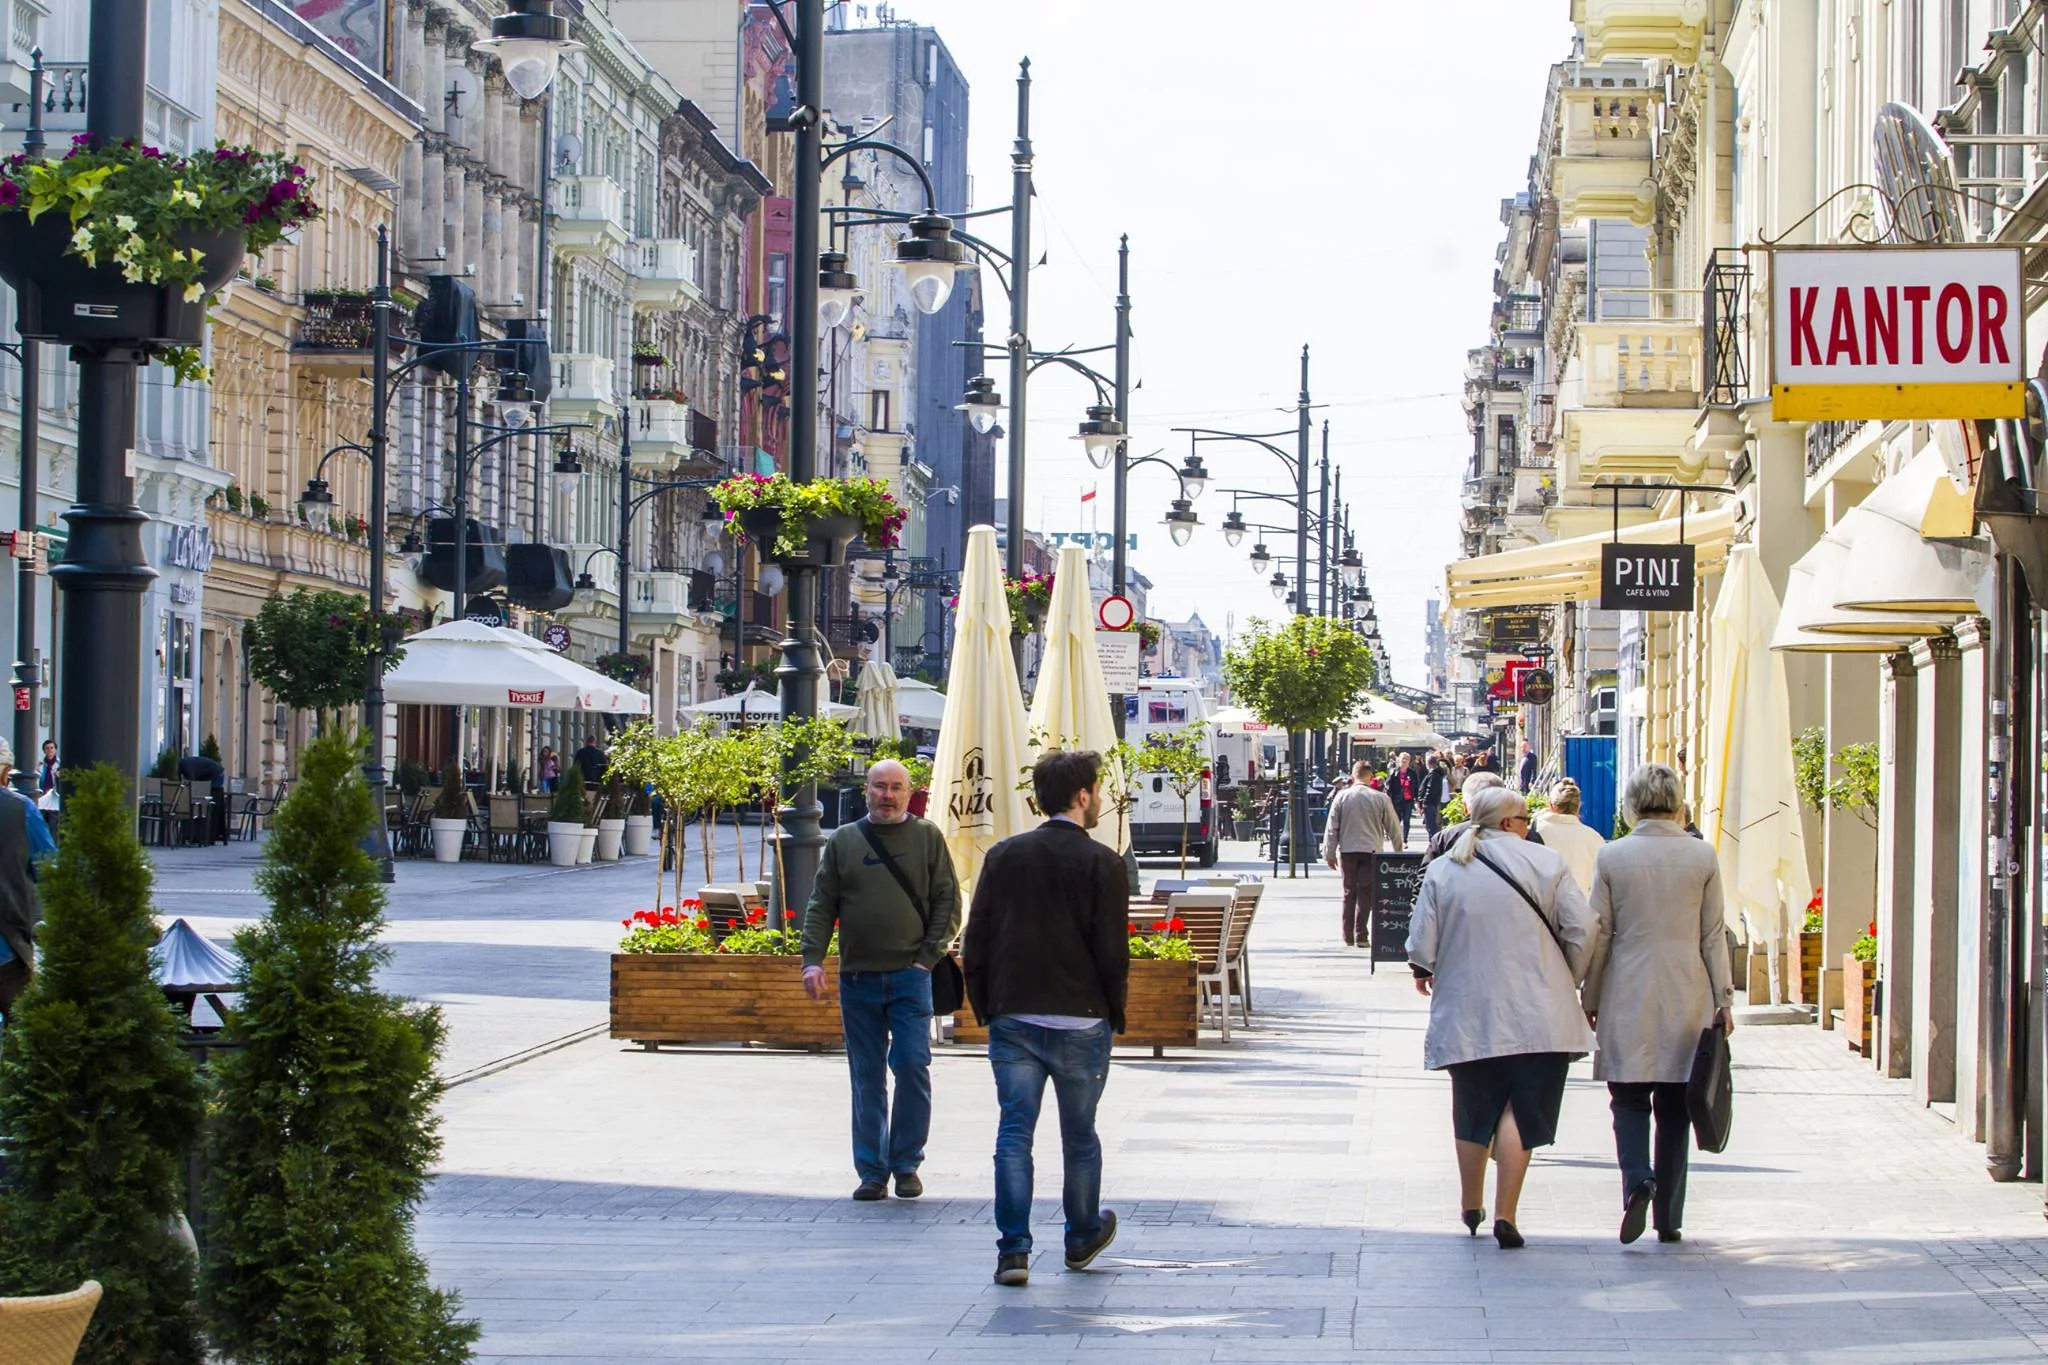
(1361, 821)
(1661, 969)
(1502, 986)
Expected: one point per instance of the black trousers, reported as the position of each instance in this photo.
(1361, 874)
(1633, 1104)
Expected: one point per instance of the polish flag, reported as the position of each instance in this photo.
(1089, 496)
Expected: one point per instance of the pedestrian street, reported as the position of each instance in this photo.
(1289, 1197)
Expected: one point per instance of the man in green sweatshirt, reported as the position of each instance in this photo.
(891, 932)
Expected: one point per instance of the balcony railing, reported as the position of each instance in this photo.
(590, 214)
(336, 322)
(583, 380)
(661, 426)
(1542, 419)
(664, 273)
(1648, 364)
(1724, 302)
(1522, 316)
(660, 593)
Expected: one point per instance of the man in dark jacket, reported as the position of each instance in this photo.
(198, 768)
(19, 912)
(1436, 794)
(889, 939)
(1047, 959)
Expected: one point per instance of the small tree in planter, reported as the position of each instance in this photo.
(312, 650)
(565, 820)
(327, 1096)
(448, 827)
(1306, 675)
(808, 522)
(98, 1104)
(795, 752)
(1182, 757)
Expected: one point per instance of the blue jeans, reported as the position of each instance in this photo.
(1077, 1062)
(888, 1016)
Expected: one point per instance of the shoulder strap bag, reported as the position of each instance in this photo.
(949, 988)
(1528, 900)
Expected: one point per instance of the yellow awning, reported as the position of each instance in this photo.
(1569, 570)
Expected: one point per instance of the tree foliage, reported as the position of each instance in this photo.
(98, 1104)
(1309, 673)
(312, 649)
(1855, 792)
(1182, 757)
(327, 1127)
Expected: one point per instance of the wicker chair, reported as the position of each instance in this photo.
(46, 1330)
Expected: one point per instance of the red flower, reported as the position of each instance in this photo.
(1176, 926)
(1162, 926)
(703, 924)
(628, 923)
(1872, 930)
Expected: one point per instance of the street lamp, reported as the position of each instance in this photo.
(567, 468)
(1194, 477)
(1100, 435)
(1260, 559)
(529, 41)
(1181, 521)
(1278, 583)
(1233, 528)
(983, 404)
(316, 501)
(1350, 566)
(837, 289)
(930, 258)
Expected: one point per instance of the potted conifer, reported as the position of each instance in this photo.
(565, 821)
(639, 835)
(449, 824)
(611, 830)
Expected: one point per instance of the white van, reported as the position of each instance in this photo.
(1162, 706)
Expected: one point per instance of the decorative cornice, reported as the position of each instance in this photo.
(1933, 650)
(1972, 632)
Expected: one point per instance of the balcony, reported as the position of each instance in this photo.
(664, 274)
(1521, 320)
(334, 336)
(1603, 169)
(24, 36)
(1642, 29)
(590, 215)
(661, 432)
(583, 388)
(663, 596)
(603, 567)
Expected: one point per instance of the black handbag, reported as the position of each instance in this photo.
(1710, 1092)
(949, 987)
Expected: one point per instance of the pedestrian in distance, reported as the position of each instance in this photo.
(19, 912)
(49, 774)
(1459, 772)
(1499, 942)
(591, 759)
(1575, 840)
(1048, 959)
(1404, 786)
(550, 769)
(1362, 825)
(886, 883)
(197, 768)
(1658, 978)
(1527, 772)
(1436, 794)
(36, 830)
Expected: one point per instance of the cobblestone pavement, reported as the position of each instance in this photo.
(1289, 1198)
(517, 955)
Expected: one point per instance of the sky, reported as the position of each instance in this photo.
(1326, 172)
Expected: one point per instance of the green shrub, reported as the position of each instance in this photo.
(568, 806)
(98, 1103)
(453, 801)
(327, 1095)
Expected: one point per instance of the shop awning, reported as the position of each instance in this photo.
(464, 663)
(1569, 570)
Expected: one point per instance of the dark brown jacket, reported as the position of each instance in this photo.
(1047, 929)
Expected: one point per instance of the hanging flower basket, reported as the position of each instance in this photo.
(124, 244)
(809, 524)
(1030, 597)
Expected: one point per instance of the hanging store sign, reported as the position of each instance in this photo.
(1896, 332)
(1538, 687)
(1646, 577)
(1514, 628)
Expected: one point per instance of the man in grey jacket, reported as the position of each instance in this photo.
(1362, 825)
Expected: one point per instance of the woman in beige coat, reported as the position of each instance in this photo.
(1499, 942)
(1658, 979)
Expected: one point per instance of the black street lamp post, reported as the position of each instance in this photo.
(27, 677)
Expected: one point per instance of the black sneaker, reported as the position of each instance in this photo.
(869, 1191)
(1013, 1267)
(1636, 1212)
(908, 1186)
(1083, 1257)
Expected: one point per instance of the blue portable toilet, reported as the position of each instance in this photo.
(1589, 761)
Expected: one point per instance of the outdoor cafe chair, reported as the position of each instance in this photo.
(178, 813)
(505, 835)
(1206, 916)
(726, 907)
(1247, 894)
(149, 826)
(46, 1329)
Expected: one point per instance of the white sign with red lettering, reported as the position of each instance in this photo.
(1896, 332)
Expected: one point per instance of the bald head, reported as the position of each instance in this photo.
(888, 792)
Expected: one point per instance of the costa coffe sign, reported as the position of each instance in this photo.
(1896, 332)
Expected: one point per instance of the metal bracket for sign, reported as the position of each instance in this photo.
(1617, 489)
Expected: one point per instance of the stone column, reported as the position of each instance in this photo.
(1849, 867)
(1937, 739)
(1973, 635)
(1897, 840)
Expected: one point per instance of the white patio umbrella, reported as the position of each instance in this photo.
(983, 748)
(919, 704)
(1234, 720)
(876, 695)
(1751, 800)
(1070, 707)
(462, 663)
(757, 704)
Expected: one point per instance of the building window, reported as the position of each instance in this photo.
(778, 286)
(878, 410)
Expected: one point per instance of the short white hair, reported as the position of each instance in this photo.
(1481, 781)
(1653, 792)
(1492, 808)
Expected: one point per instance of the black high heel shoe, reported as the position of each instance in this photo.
(1473, 1218)
(1504, 1233)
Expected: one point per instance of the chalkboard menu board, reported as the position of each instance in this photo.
(1393, 904)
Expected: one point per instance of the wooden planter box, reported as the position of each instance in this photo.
(1809, 969)
(1159, 1012)
(711, 998)
(1859, 1017)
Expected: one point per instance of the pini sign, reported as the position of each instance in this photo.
(1896, 332)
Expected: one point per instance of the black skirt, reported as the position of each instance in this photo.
(1533, 1082)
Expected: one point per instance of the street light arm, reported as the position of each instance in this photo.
(321, 468)
(1102, 385)
(924, 177)
(1200, 434)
